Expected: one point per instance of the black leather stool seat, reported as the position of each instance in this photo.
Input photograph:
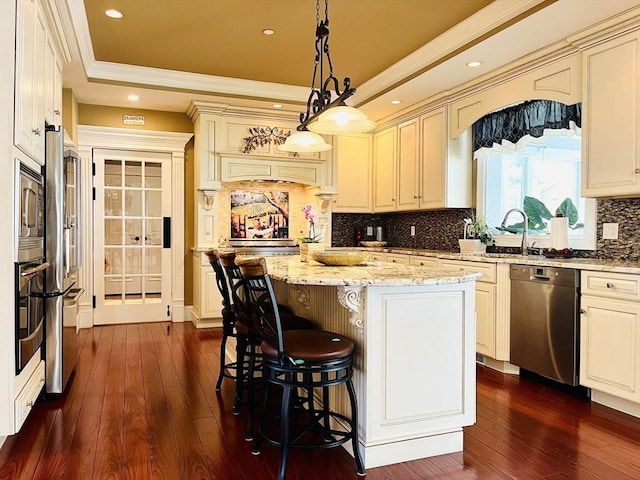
(309, 346)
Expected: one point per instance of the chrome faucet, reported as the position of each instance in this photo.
(525, 228)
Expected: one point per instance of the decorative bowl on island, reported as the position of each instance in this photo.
(342, 258)
(372, 243)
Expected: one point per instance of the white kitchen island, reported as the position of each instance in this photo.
(414, 330)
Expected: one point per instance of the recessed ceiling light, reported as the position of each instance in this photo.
(112, 13)
(268, 31)
(474, 64)
(133, 97)
(395, 102)
(277, 105)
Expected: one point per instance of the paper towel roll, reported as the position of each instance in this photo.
(559, 235)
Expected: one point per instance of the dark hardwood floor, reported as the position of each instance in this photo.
(142, 405)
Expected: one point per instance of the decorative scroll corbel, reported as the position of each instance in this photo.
(325, 201)
(209, 198)
(352, 298)
(303, 296)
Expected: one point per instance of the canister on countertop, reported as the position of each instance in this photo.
(380, 236)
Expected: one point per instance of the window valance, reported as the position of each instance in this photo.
(528, 118)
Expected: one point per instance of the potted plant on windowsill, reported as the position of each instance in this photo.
(310, 243)
(475, 236)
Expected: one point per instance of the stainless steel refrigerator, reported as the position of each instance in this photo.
(63, 253)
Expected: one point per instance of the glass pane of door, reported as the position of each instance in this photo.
(132, 231)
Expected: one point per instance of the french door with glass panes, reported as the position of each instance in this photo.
(132, 260)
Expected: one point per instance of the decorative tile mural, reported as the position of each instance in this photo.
(263, 214)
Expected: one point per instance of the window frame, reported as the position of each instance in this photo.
(587, 241)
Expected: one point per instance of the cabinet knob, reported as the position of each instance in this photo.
(393, 199)
(610, 285)
(582, 311)
(56, 111)
(36, 131)
(30, 404)
(637, 170)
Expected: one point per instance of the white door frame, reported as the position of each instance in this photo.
(90, 137)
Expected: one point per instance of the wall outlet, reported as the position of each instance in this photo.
(413, 230)
(609, 231)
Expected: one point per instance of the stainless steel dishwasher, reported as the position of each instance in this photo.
(544, 321)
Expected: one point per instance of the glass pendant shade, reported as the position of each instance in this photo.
(341, 120)
(304, 142)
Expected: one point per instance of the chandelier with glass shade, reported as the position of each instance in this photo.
(325, 114)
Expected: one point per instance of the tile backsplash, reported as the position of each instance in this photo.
(440, 230)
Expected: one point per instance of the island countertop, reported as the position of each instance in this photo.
(289, 269)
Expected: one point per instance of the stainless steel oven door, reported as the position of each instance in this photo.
(29, 310)
(30, 221)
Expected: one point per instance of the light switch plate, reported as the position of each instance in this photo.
(609, 231)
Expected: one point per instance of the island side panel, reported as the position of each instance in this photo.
(320, 304)
(414, 364)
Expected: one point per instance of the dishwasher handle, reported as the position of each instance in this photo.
(540, 278)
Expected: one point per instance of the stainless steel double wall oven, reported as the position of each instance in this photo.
(30, 265)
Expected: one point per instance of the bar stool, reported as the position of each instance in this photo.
(300, 359)
(249, 337)
(229, 319)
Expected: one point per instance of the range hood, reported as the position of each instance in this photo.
(312, 172)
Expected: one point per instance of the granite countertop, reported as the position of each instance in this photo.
(603, 265)
(290, 269)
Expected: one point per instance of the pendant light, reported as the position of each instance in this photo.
(304, 142)
(324, 115)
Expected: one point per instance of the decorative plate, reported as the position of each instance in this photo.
(343, 258)
(367, 243)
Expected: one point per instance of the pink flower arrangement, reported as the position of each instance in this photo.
(310, 216)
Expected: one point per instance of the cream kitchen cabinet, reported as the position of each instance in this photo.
(445, 167)
(353, 158)
(385, 154)
(485, 303)
(610, 334)
(31, 46)
(611, 118)
(418, 167)
(207, 301)
(421, 261)
(52, 86)
(396, 258)
(408, 193)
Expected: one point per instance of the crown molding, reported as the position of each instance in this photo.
(482, 22)
(113, 137)
(197, 108)
(185, 81)
(617, 25)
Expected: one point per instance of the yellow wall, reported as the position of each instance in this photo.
(70, 114)
(102, 116)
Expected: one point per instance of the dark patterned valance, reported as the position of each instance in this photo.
(528, 118)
